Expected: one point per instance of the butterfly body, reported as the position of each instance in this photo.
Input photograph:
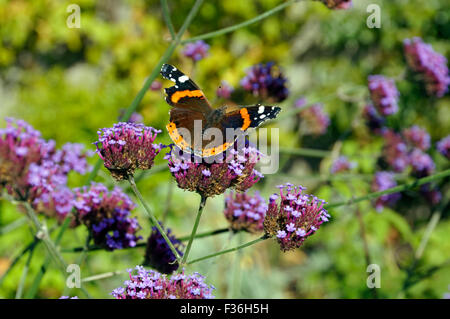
(192, 117)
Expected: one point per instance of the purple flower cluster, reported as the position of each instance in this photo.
(245, 212)
(225, 90)
(417, 137)
(234, 170)
(196, 50)
(158, 254)
(266, 81)
(337, 4)
(297, 217)
(126, 147)
(431, 65)
(382, 181)
(395, 151)
(374, 121)
(422, 163)
(384, 94)
(315, 121)
(153, 285)
(443, 146)
(32, 170)
(431, 194)
(107, 216)
(342, 164)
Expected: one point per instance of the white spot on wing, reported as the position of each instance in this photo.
(183, 78)
(261, 109)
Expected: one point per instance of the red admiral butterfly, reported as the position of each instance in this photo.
(190, 105)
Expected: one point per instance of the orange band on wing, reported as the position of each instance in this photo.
(186, 93)
(216, 150)
(176, 137)
(246, 118)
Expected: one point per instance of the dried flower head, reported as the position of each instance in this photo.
(245, 212)
(158, 254)
(196, 51)
(153, 285)
(417, 137)
(297, 217)
(431, 65)
(337, 4)
(384, 94)
(342, 164)
(381, 182)
(235, 170)
(126, 147)
(314, 120)
(266, 81)
(443, 146)
(107, 216)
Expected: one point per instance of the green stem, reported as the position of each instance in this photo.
(242, 24)
(13, 225)
(23, 278)
(103, 276)
(226, 251)
(166, 17)
(194, 231)
(29, 247)
(152, 218)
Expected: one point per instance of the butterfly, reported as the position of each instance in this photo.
(190, 108)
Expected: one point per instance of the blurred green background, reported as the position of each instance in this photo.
(68, 83)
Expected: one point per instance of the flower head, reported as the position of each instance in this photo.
(431, 194)
(314, 120)
(431, 65)
(266, 81)
(107, 216)
(153, 285)
(443, 146)
(126, 147)
(72, 157)
(245, 212)
(158, 254)
(338, 4)
(196, 51)
(297, 217)
(225, 90)
(395, 151)
(417, 137)
(342, 164)
(381, 182)
(374, 121)
(384, 94)
(233, 170)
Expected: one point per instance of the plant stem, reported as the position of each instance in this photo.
(242, 24)
(167, 20)
(194, 231)
(152, 218)
(103, 276)
(23, 278)
(226, 251)
(13, 225)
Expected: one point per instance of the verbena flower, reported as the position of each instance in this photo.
(126, 147)
(314, 120)
(431, 65)
(245, 212)
(443, 146)
(300, 102)
(395, 151)
(158, 254)
(374, 121)
(422, 163)
(431, 194)
(337, 4)
(297, 217)
(60, 201)
(417, 137)
(342, 164)
(209, 179)
(382, 181)
(196, 50)
(266, 81)
(225, 90)
(384, 94)
(156, 85)
(107, 216)
(153, 285)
